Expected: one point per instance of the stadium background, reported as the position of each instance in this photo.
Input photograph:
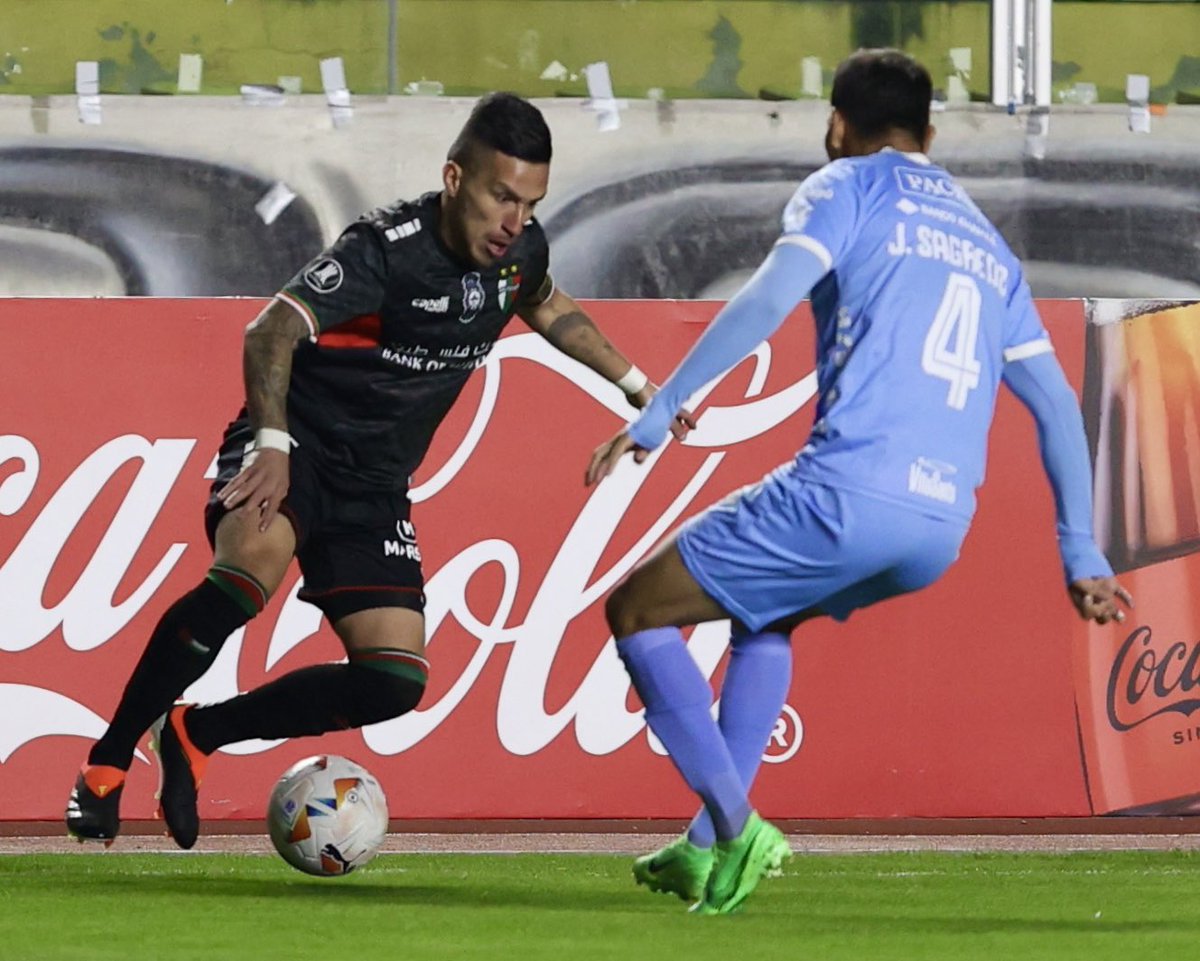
(906, 713)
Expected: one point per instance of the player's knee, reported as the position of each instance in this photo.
(241, 544)
(624, 614)
(380, 692)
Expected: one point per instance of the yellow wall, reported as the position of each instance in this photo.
(1110, 40)
(685, 47)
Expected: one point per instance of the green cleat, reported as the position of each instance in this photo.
(781, 851)
(680, 868)
(739, 864)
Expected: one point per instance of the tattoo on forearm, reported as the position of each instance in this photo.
(267, 370)
(565, 325)
(574, 333)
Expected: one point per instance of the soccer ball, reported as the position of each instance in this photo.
(327, 816)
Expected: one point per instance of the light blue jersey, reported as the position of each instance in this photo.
(922, 305)
(921, 309)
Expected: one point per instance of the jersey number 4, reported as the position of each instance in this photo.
(949, 352)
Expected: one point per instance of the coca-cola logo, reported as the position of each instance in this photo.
(98, 604)
(1150, 679)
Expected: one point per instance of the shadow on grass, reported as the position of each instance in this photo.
(348, 893)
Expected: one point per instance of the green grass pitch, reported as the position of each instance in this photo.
(528, 907)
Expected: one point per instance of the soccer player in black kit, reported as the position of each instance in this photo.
(348, 373)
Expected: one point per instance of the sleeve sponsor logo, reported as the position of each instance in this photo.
(325, 276)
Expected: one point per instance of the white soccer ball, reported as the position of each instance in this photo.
(327, 816)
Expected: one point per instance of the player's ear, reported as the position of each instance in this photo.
(835, 135)
(930, 133)
(452, 175)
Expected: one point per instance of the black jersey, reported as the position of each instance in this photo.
(397, 325)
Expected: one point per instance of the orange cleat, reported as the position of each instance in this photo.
(93, 809)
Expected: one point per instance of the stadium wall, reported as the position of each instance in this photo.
(981, 697)
(213, 196)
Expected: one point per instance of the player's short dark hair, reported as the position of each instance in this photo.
(878, 90)
(507, 123)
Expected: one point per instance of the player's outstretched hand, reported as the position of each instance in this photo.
(605, 458)
(1096, 599)
(684, 420)
(261, 485)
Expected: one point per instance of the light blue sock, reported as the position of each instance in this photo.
(756, 686)
(678, 703)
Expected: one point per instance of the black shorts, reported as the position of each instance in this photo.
(356, 551)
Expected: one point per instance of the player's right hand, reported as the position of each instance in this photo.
(1095, 598)
(261, 485)
(605, 457)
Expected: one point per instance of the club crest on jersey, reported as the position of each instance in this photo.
(325, 276)
(473, 297)
(508, 285)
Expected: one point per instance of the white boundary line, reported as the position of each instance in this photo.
(634, 844)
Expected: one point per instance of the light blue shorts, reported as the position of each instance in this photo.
(786, 545)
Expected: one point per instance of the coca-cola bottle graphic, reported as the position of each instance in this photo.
(1137, 685)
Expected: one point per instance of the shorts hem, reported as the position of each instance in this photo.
(339, 602)
(713, 590)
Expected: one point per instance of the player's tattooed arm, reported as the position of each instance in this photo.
(267, 363)
(263, 481)
(565, 325)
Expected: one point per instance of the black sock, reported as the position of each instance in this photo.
(373, 687)
(183, 646)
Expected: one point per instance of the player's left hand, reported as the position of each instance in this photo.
(605, 458)
(1096, 599)
(684, 420)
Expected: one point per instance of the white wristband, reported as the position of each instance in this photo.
(269, 438)
(633, 380)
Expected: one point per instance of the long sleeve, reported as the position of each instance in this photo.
(756, 311)
(1039, 383)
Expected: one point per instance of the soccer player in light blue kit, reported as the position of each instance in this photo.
(921, 310)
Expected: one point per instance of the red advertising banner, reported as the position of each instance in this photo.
(1139, 690)
(958, 701)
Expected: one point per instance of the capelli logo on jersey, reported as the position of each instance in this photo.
(432, 305)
